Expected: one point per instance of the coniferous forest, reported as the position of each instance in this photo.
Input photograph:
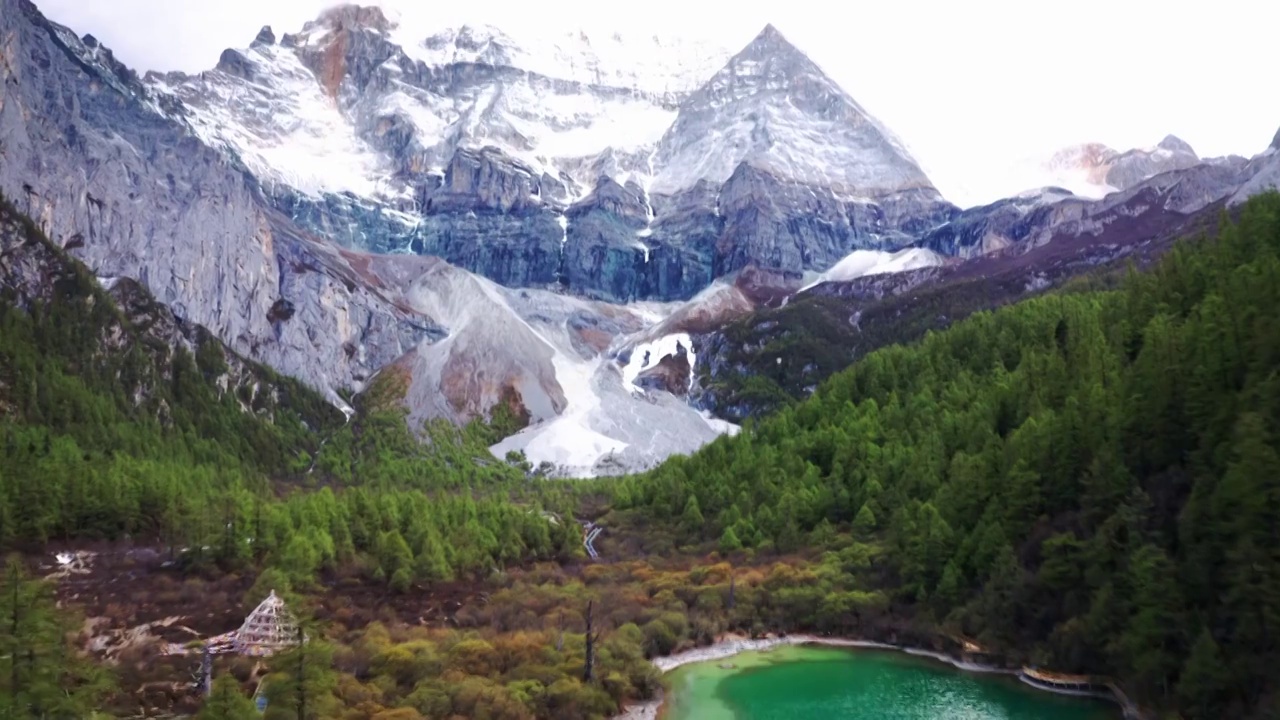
(1087, 481)
(1091, 477)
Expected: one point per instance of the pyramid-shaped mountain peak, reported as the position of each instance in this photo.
(770, 43)
(1176, 144)
(770, 32)
(773, 108)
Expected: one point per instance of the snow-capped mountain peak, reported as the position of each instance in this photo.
(487, 147)
(371, 102)
(350, 17)
(772, 107)
(645, 65)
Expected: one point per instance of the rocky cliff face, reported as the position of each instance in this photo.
(320, 201)
(116, 172)
(632, 179)
(92, 155)
(135, 341)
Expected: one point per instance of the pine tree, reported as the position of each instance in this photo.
(431, 563)
(592, 637)
(302, 683)
(865, 522)
(226, 701)
(1204, 679)
(729, 542)
(691, 521)
(41, 675)
(1153, 640)
(394, 553)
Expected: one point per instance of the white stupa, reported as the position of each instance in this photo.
(269, 628)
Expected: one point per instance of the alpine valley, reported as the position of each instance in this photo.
(559, 225)
(392, 372)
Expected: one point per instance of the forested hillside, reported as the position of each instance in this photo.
(1090, 479)
(121, 421)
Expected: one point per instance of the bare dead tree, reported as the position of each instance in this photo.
(560, 635)
(302, 659)
(589, 671)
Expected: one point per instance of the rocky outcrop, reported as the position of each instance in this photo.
(791, 227)
(1033, 219)
(1262, 173)
(1093, 170)
(1000, 225)
(490, 356)
(1130, 168)
(670, 374)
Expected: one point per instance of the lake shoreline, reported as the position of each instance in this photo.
(730, 645)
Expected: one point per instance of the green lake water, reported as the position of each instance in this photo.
(815, 683)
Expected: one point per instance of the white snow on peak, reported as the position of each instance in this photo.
(1082, 169)
(645, 64)
(1089, 169)
(776, 111)
(318, 137)
(860, 263)
(576, 124)
(282, 126)
(617, 104)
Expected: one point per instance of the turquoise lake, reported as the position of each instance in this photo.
(815, 683)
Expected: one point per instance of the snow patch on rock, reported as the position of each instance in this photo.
(647, 355)
(876, 262)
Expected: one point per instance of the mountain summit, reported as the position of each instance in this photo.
(562, 160)
(772, 107)
(323, 201)
(1094, 170)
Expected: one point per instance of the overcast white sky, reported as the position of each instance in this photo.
(971, 86)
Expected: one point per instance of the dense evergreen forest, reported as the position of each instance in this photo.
(1088, 481)
(1092, 478)
(109, 432)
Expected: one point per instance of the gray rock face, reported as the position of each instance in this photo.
(32, 270)
(1020, 224)
(1262, 173)
(91, 155)
(456, 146)
(991, 228)
(790, 226)
(773, 108)
(1132, 167)
(266, 36)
